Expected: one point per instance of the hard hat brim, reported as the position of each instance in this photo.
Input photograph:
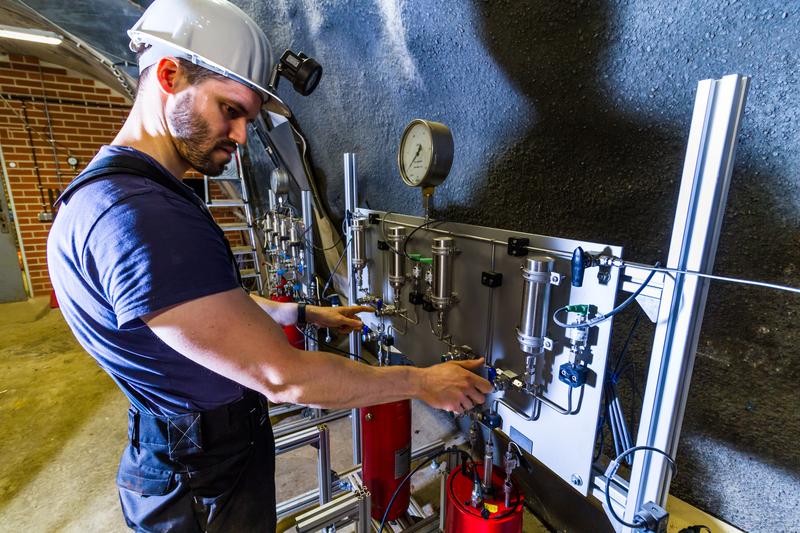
(164, 48)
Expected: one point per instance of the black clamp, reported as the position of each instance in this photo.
(518, 246)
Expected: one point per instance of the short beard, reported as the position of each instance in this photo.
(190, 133)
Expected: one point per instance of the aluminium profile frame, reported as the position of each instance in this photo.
(708, 166)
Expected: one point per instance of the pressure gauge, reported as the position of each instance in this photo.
(279, 181)
(426, 153)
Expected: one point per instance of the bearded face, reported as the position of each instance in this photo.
(194, 140)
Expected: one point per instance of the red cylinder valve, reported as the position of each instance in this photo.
(491, 516)
(386, 456)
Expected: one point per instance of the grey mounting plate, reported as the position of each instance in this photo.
(564, 443)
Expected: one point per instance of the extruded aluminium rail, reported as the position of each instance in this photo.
(708, 166)
(350, 205)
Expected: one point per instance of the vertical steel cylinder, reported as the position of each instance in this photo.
(535, 304)
(397, 265)
(359, 242)
(294, 238)
(443, 250)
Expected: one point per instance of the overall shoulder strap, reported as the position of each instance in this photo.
(132, 165)
(126, 164)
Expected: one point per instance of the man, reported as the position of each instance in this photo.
(146, 282)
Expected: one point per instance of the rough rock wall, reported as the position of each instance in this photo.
(570, 118)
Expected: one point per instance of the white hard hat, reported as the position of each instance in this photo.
(213, 34)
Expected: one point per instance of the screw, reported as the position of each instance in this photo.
(368, 417)
(576, 480)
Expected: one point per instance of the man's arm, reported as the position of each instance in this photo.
(229, 333)
(285, 314)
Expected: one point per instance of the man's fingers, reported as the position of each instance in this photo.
(470, 364)
(475, 397)
(350, 322)
(482, 385)
(353, 309)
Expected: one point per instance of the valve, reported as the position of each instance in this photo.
(510, 462)
(459, 353)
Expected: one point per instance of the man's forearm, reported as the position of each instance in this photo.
(324, 380)
(284, 313)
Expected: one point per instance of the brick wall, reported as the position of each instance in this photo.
(84, 114)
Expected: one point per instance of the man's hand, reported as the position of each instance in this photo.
(453, 386)
(343, 319)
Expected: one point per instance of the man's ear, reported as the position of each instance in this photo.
(168, 75)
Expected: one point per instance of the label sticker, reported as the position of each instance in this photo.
(402, 462)
(523, 441)
(492, 508)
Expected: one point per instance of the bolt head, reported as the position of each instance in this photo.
(576, 480)
(368, 417)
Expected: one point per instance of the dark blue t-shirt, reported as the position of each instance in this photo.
(122, 247)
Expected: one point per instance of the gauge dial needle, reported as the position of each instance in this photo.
(419, 149)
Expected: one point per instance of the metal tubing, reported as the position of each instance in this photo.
(488, 464)
(718, 110)
(324, 464)
(351, 204)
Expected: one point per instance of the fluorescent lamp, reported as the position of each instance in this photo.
(30, 34)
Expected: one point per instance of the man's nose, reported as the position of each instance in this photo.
(238, 133)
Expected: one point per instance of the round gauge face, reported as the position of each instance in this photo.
(426, 153)
(416, 153)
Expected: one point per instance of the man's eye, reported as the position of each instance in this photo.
(231, 112)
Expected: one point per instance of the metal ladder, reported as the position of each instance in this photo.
(233, 173)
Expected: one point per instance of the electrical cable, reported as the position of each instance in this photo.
(50, 129)
(331, 346)
(611, 471)
(413, 231)
(425, 460)
(603, 318)
(335, 269)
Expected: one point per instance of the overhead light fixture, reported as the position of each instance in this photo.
(30, 34)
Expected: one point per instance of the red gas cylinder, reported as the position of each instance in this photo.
(493, 517)
(296, 338)
(386, 455)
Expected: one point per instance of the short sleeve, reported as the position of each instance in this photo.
(152, 251)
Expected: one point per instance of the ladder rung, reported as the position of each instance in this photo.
(224, 178)
(235, 226)
(248, 273)
(226, 203)
(242, 250)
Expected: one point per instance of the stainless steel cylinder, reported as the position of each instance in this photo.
(295, 243)
(443, 250)
(397, 265)
(285, 223)
(268, 224)
(359, 242)
(535, 304)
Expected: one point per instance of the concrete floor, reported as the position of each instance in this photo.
(64, 426)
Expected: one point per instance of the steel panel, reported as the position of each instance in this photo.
(564, 443)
